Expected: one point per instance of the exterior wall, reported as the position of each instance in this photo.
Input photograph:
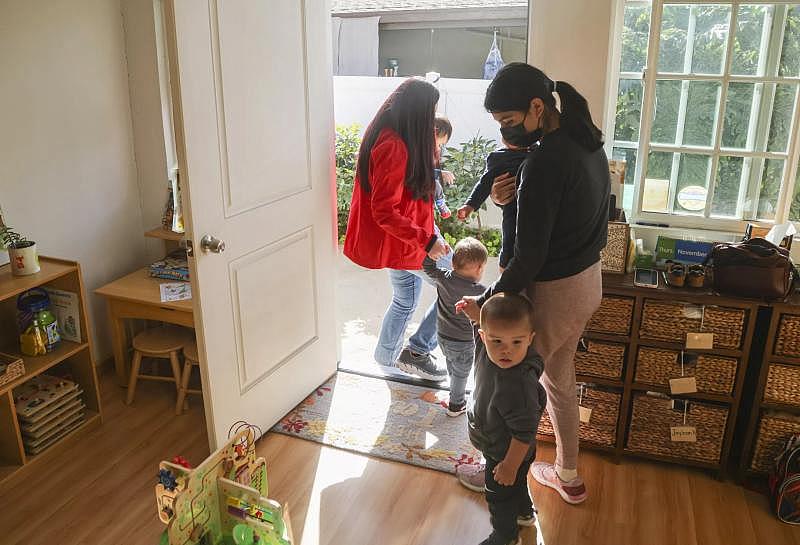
(454, 53)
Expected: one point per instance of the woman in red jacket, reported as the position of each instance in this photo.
(391, 219)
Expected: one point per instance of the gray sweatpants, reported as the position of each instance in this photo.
(562, 308)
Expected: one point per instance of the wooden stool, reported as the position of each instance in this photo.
(159, 342)
(190, 358)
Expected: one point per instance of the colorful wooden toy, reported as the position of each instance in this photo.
(223, 500)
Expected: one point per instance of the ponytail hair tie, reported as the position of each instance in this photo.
(555, 85)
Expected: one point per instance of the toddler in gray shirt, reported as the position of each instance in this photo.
(454, 328)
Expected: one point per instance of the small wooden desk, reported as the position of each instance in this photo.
(137, 296)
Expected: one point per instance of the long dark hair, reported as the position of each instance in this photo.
(517, 83)
(409, 111)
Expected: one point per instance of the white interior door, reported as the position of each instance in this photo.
(252, 93)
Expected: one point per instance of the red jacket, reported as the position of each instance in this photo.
(388, 227)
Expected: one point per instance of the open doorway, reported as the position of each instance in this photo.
(459, 47)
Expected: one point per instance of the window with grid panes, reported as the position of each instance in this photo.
(709, 133)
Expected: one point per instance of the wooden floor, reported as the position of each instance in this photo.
(103, 494)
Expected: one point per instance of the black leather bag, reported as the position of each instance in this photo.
(755, 268)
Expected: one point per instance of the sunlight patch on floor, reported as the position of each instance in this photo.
(333, 467)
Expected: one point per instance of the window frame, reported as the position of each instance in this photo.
(643, 147)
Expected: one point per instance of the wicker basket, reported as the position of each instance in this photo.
(11, 368)
(783, 384)
(714, 374)
(774, 430)
(614, 256)
(652, 417)
(602, 426)
(613, 316)
(788, 341)
(600, 359)
(668, 321)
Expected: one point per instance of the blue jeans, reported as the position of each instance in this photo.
(459, 356)
(406, 288)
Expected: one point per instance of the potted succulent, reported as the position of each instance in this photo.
(21, 251)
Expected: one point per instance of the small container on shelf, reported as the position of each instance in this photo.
(38, 327)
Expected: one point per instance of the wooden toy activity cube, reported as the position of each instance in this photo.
(223, 500)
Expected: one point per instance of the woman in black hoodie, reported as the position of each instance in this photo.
(561, 227)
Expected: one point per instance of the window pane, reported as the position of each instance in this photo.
(629, 110)
(635, 35)
(629, 156)
(701, 113)
(710, 39)
(656, 183)
(726, 186)
(672, 46)
(692, 187)
(665, 124)
(782, 113)
(750, 23)
(770, 187)
(790, 52)
(794, 211)
(738, 109)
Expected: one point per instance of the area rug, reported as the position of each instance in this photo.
(384, 419)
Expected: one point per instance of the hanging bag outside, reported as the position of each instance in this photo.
(494, 61)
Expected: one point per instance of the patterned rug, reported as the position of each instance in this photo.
(385, 419)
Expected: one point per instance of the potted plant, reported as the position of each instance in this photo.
(21, 251)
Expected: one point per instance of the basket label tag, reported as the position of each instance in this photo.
(683, 434)
(699, 341)
(683, 385)
(584, 414)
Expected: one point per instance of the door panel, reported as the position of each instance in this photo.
(263, 87)
(252, 94)
(267, 339)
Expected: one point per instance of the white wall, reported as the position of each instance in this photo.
(569, 40)
(67, 171)
(357, 98)
(139, 22)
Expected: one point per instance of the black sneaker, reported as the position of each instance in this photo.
(456, 410)
(420, 365)
(494, 539)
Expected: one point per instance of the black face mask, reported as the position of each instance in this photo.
(516, 135)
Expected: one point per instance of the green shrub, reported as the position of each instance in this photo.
(348, 140)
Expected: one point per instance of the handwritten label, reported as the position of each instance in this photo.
(699, 341)
(683, 385)
(584, 414)
(683, 434)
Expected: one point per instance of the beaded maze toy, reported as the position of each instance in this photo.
(223, 500)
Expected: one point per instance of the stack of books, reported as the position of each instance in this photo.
(173, 267)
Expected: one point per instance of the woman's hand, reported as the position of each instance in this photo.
(504, 189)
(440, 249)
(448, 177)
(469, 306)
(464, 212)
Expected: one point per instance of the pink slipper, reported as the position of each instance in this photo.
(572, 492)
